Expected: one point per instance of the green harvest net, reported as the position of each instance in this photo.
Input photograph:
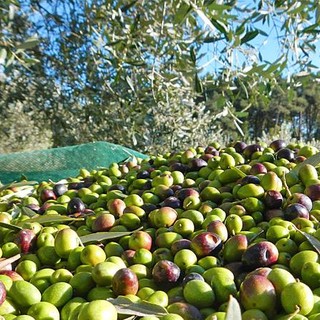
(60, 163)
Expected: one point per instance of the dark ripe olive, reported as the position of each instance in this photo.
(251, 149)
(181, 194)
(273, 199)
(300, 198)
(119, 187)
(239, 146)
(143, 174)
(180, 244)
(206, 243)
(295, 210)
(261, 254)
(88, 181)
(249, 179)
(176, 187)
(277, 144)
(148, 207)
(125, 282)
(172, 202)
(210, 149)
(258, 168)
(191, 276)
(196, 164)
(166, 273)
(178, 166)
(285, 153)
(75, 205)
(47, 194)
(206, 156)
(313, 191)
(59, 189)
(25, 239)
(76, 185)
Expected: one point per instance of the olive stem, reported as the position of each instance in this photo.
(283, 178)
(81, 244)
(256, 236)
(8, 261)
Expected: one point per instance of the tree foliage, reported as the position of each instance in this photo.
(153, 75)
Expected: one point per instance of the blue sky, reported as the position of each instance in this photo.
(267, 46)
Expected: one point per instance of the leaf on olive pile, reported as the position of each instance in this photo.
(140, 309)
(28, 212)
(52, 219)
(100, 236)
(311, 239)
(8, 261)
(10, 226)
(238, 171)
(17, 184)
(233, 309)
(313, 160)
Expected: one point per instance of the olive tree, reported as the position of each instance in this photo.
(152, 75)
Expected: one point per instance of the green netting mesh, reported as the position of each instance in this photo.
(64, 162)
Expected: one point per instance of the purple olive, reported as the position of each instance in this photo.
(300, 198)
(75, 205)
(186, 192)
(285, 153)
(296, 210)
(196, 164)
(143, 174)
(178, 166)
(261, 254)
(258, 168)
(249, 179)
(277, 144)
(172, 202)
(206, 243)
(166, 273)
(26, 240)
(251, 149)
(239, 146)
(273, 199)
(191, 276)
(59, 189)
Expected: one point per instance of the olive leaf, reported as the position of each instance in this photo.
(140, 309)
(17, 184)
(10, 226)
(100, 236)
(250, 35)
(238, 171)
(311, 239)
(28, 44)
(313, 160)
(28, 212)
(8, 261)
(55, 218)
(233, 309)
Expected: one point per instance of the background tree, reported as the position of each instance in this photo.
(151, 75)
